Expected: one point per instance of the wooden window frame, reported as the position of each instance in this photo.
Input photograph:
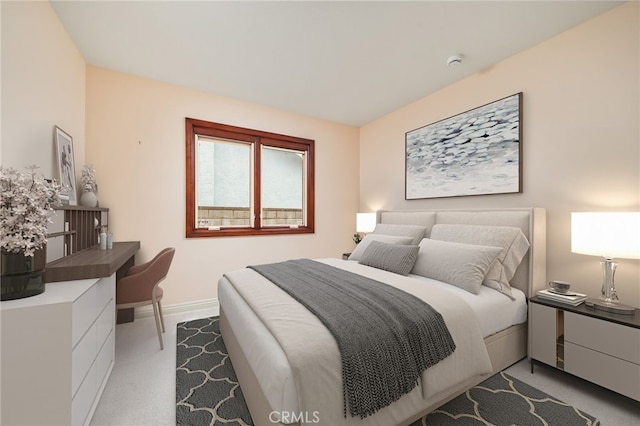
(258, 139)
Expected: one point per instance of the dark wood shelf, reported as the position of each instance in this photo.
(60, 234)
(79, 226)
(81, 208)
(91, 263)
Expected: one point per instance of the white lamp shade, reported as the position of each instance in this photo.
(608, 234)
(365, 222)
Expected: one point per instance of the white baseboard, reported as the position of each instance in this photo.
(147, 311)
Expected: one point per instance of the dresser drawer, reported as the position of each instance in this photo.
(82, 357)
(105, 358)
(603, 336)
(105, 323)
(612, 373)
(84, 312)
(83, 400)
(105, 292)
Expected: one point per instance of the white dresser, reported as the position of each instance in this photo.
(57, 352)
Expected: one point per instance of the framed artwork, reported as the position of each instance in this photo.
(477, 152)
(66, 166)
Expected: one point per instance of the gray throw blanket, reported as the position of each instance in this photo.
(386, 337)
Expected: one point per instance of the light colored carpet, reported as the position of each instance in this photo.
(141, 390)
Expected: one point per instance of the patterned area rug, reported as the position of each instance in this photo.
(207, 392)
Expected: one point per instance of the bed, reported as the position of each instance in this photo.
(297, 388)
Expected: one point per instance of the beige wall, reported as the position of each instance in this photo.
(581, 144)
(136, 141)
(43, 85)
(581, 141)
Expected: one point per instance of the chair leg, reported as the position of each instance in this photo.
(161, 316)
(156, 314)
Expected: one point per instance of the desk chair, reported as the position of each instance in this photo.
(140, 286)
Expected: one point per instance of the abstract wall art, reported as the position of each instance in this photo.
(477, 152)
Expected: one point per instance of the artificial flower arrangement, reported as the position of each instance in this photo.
(25, 209)
(88, 179)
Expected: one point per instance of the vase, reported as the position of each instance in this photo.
(89, 199)
(22, 276)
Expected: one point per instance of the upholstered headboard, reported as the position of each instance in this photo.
(531, 274)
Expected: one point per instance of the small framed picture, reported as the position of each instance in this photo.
(66, 167)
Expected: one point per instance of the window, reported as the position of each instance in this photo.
(247, 182)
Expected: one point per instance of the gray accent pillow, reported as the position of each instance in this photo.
(362, 246)
(396, 258)
(461, 265)
(417, 232)
(511, 239)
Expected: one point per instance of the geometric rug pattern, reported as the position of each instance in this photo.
(208, 393)
(505, 400)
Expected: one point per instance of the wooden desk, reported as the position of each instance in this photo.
(93, 263)
(96, 263)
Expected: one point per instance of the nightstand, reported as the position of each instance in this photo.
(598, 346)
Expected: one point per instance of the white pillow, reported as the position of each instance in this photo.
(511, 239)
(396, 258)
(362, 245)
(461, 265)
(416, 232)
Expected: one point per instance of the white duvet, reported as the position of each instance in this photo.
(299, 349)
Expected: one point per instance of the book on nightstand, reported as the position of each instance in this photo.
(571, 298)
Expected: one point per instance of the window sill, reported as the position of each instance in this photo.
(238, 232)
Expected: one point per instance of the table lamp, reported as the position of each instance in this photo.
(365, 223)
(610, 235)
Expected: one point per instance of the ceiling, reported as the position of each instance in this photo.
(348, 62)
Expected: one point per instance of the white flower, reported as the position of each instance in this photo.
(88, 179)
(25, 209)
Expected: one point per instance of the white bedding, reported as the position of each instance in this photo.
(494, 311)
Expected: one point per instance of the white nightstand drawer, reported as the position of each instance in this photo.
(613, 373)
(542, 327)
(603, 336)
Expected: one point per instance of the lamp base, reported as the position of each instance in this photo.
(613, 307)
